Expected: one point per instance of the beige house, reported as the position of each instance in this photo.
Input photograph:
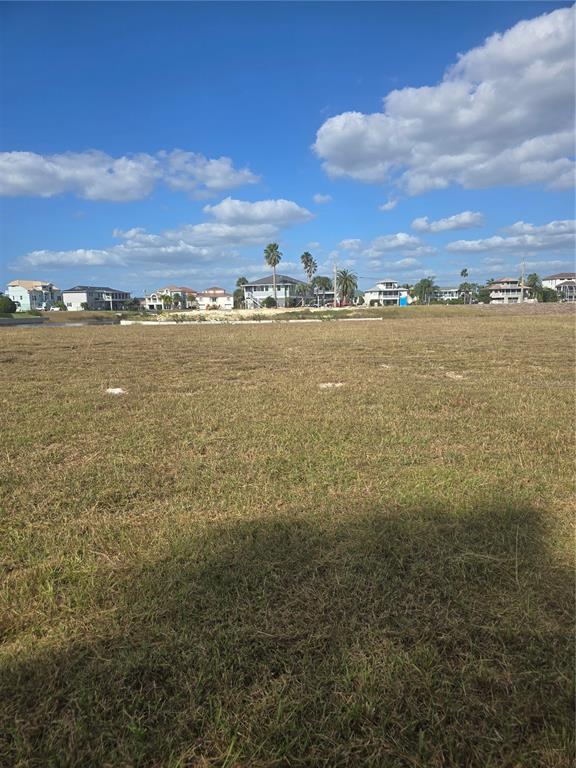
(509, 290)
(215, 298)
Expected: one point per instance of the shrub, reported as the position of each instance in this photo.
(7, 305)
(269, 302)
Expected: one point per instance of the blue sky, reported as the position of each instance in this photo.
(147, 144)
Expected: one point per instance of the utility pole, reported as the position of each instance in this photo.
(522, 280)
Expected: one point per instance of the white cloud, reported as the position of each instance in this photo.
(191, 171)
(351, 244)
(94, 175)
(566, 227)
(321, 199)
(238, 224)
(274, 212)
(401, 241)
(380, 251)
(503, 114)
(464, 220)
(389, 206)
(528, 238)
(79, 257)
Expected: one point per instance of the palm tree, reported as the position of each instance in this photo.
(309, 265)
(302, 290)
(346, 284)
(424, 289)
(321, 283)
(241, 282)
(272, 257)
(464, 287)
(534, 283)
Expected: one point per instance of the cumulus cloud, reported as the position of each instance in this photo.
(350, 244)
(464, 220)
(525, 238)
(502, 115)
(389, 206)
(237, 224)
(380, 251)
(95, 175)
(321, 199)
(566, 227)
(275, 212)
(401, 241)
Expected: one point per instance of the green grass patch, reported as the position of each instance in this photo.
(232, 566)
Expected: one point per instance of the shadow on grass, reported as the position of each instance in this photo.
(413, 638)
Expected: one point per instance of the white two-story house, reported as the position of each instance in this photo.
(33, 294)
(447, 294)
(214, 298)
(566, 290)
(287, 291)
(94, 297)
(387, 293)
(553, 281)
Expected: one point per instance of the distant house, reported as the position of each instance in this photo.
(567, 290)
(447, 294)
(552, 281)
(287, 291)
(154, 301)
(94, 297)
(509, 290)
(215, 298)
(33, 294)
(387, 293)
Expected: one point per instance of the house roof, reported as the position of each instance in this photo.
(214, 292)
(84, 288)
(176, 288)
(280, 280)
(30, 284)
(566, 282)
(380, 282)
(561, 276)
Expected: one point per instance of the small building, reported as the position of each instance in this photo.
(214, 298)
(447, 294)
(288, 291)
(552, 281)
(94, 297)
(33, 294)
(387, 293)
(186, 297)
(567, 290)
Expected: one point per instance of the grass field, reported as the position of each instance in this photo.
(230, 565)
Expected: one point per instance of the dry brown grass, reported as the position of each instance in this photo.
(231, 566)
